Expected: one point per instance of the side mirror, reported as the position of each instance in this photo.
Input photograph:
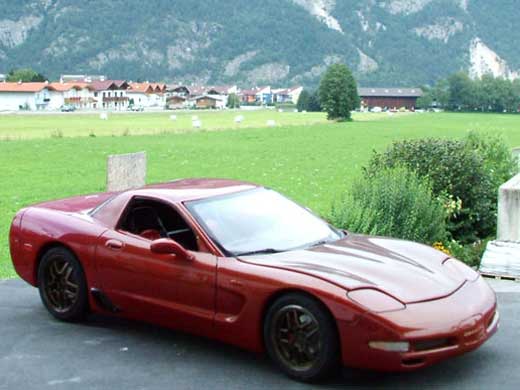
(165, 246)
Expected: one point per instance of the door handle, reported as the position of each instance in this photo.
(114, 244)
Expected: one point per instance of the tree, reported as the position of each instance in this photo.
(25, 75)
(338, 92)
(461, 91)
(233, 101)
(303, 101)
(314, 103)
(426, 100)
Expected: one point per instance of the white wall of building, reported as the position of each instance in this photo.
(295, 94)
(56, 100)
(140, 99)
(11, 101)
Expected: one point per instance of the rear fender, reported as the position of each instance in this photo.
(42, 229)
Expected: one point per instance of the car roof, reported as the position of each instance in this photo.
(193, 189)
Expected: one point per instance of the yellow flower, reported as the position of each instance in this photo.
(440, 247)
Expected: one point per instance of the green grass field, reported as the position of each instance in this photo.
(312, 163)
(30, 126)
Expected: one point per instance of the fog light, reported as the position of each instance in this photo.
(390, 346)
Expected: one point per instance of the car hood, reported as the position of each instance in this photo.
(408, 271)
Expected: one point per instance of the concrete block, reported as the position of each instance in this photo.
(126, 171)
(501, 258)
(509, 211)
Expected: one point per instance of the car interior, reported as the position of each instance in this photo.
(153, 220)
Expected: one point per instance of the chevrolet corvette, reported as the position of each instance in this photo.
(243, 264)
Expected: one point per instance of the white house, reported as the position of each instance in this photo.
(110, 95)
(295, 93)
(3, 77)
(78, 95)
(24, 96)
(146, 94)
(264, 95)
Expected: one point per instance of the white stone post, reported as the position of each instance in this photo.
(502, 257)
(126, 171)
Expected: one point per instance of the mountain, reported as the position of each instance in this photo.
(390, 43)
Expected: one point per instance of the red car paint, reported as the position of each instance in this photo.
(444, 313)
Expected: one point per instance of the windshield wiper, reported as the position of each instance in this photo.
(259, 251)
(318, 243)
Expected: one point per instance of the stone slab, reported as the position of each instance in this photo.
(501, 258)
(126, 171)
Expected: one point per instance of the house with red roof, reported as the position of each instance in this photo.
(110, 94)
(24, 96)
(146, 94)
(76, 94)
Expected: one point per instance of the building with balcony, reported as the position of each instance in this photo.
(110, 95)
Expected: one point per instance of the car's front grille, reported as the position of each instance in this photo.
(427, 345)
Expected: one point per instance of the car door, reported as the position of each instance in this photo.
(160, 288)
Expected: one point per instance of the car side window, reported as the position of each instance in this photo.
(152, 220)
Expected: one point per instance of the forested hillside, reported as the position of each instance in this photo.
(397, 42)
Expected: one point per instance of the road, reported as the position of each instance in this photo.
(38, 352)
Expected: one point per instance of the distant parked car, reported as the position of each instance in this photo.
(376, 109)
(136, 108)
(67, 108)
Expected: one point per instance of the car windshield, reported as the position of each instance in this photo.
(260, 221)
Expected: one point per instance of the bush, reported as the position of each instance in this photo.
(496, 155)
(469, 170)
(471, 254)
(393, 202)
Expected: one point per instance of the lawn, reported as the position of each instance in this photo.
(312, 163)
(30, 126)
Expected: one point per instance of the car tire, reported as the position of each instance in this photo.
(301, 337)
(62, 285)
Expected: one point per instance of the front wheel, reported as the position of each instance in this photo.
(62, 285)
(301, 337)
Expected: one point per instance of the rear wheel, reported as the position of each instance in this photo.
(301, 337)
(62, 285)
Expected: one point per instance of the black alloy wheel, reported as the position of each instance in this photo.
(62, 285)
(301, 337)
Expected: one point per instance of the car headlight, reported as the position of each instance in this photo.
(457, 266)
(375, 300)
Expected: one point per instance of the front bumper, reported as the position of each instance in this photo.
(436, 330)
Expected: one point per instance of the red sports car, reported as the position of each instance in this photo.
(243, 264)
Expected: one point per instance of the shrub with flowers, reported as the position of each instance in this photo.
(463, 177)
